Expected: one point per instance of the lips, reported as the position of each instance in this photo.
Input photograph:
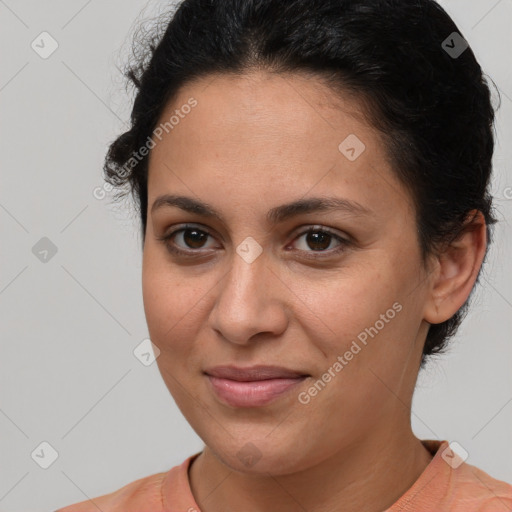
(252, 387)
(253, 373)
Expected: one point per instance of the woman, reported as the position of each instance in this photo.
(313, 183)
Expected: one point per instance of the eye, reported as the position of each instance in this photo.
(319, 239)
(189, 240)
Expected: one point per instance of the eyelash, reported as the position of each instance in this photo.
(344, 243)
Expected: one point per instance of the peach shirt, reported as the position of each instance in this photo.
(446, 485)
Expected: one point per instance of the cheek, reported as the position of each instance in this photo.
(370, 358)
(362, 324)
(169, 304)
(170, 317)
(343, 308)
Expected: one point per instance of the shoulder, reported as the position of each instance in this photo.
(449, 484)
(142, 495)
(480, 490)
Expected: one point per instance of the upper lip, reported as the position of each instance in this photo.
(251, 373)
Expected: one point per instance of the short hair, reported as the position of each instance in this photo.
(418, 83)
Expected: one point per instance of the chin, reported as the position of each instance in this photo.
(262, 455)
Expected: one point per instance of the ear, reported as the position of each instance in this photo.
(457, 268)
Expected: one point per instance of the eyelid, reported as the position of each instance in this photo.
(306, 228)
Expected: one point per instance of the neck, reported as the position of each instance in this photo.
(369, 475)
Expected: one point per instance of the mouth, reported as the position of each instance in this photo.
(254, 386)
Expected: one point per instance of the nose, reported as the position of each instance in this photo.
(250, 300)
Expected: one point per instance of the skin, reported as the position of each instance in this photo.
(252, 143)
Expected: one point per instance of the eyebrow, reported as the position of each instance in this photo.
(275, 215)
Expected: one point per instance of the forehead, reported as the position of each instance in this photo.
(261, 107)
(265, 136)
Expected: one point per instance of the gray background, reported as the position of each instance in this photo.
(68, 375)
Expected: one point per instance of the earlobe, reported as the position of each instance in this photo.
(458, 267)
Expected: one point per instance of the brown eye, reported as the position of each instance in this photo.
(185, 241)
(319, 240)
(194, 238)
(190, 241)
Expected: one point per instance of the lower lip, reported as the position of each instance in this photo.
(252, 393)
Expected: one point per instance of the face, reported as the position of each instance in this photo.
(341, 305)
